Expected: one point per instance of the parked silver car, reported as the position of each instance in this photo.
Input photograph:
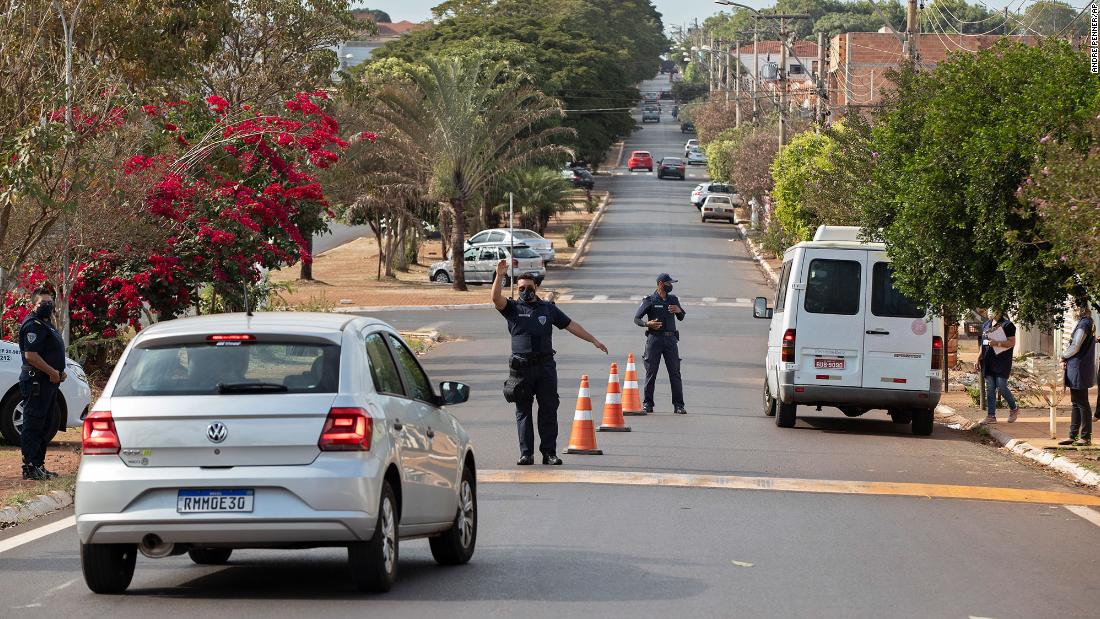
(481, 263)
(69, 408)
(519, 236)
(279, 430)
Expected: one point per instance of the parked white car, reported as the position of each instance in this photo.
(718, 206)
(481, 264)
(519, 236)
(278, 430)
(69, 409)
(841, 335)
(697, 157)
(699, 195)
(689, 145)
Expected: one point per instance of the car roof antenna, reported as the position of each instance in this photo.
(247, 306)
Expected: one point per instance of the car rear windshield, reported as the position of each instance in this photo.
(671, 160)
(525, 234)
(525, 253)
(887, 301)
(833, 287)
(230, 367)
(640, 153)
(718, 199)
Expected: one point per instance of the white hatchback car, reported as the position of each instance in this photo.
(69, 408)
(279, 430)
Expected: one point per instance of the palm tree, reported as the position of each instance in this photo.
(539, 194)
(468, 125)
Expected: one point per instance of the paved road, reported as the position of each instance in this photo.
(579, 550)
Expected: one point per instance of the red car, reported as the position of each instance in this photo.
(640, 159)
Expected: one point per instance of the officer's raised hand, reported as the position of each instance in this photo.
(502, 267)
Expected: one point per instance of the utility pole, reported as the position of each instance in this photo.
(782, 81)
(736, 84)
(710, 62)
(909, 50)
(726, 72)
(755, 69)
(820, 98)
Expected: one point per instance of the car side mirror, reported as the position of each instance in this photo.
(760, 308)
(452, 392)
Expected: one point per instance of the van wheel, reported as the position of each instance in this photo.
(922, 421)
(108, 568)
(374, 563)
(456, 546)
(11, 418)
(900, 415)
(769, 401)
(785, 415)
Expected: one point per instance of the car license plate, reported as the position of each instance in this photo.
(829, 364)
(213, 501)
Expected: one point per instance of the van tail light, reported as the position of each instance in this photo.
(100, 437)
(937, 352)
(787, 355)
(346, 429)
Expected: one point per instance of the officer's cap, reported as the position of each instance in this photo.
(665, 277)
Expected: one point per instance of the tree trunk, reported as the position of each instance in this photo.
(391, 240)
(306, 272)
(444, 233)
(402, 246)
(458, 239)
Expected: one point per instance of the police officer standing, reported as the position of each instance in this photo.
(658, 313)
(531, 323)
(43, 353)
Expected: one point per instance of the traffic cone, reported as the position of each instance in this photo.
(582, 440)
(613, 405)
(632, 400)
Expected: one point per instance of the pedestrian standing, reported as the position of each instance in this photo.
(995, 362)
(659, 313)
(43, 354)
(1080, 376)
(533, 372)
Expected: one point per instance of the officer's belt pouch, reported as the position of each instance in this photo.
(516, 388)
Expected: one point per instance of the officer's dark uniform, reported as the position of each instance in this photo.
(38, 335)
(662, 343)
(532, 329)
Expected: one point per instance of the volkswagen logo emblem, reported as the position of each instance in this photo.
(217, 432)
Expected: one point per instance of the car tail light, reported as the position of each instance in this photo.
(100, 437)
(937, 352)
(787, 354)
(346, 429)
(515, 263)
(231, 337)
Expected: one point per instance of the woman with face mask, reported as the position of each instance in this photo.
(995, 362)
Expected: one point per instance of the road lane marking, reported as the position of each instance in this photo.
(710, 299)
(599, 298)
(1086, 513)
(786, 484)
(36, 534)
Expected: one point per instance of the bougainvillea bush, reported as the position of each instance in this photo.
(230, 192)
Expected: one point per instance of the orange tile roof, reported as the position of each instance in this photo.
(801, 48)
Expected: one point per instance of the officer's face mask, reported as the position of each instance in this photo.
(527, 294)
(667, 286)
(44, 309)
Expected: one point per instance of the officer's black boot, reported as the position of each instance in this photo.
(525, 460)
(34, 473)
(551, 459)
(49, 474)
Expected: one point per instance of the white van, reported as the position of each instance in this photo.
(842, 336)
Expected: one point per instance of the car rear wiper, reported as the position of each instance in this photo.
(251, 388)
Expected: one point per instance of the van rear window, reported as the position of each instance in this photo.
(833, 287)
(887, 301)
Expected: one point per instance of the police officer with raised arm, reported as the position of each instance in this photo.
(534, 374)
(43, 353)
(658, 313)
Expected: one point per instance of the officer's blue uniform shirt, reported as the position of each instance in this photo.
(532, 325)
(654, 307)
(37, 335)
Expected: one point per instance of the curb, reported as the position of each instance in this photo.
(758, 256)
(582, 247)
(947, 416)
(409, 308)
(39, 506)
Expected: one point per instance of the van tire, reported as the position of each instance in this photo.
(769, 401)
(786, 415)
(900, 415)
(922, 421)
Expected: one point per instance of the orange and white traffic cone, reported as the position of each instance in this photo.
(582, 440)
(632, 399)
(613, 405)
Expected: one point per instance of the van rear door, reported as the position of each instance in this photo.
(830, 325)
(898, 338)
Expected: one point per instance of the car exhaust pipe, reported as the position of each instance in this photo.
(154, 547)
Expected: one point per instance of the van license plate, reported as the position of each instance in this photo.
(829, 364)
(214, 501)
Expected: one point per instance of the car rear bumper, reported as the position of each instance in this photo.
(825, 395)
(332, 500)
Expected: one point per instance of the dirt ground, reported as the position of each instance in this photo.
(62, 457)
(346, 276)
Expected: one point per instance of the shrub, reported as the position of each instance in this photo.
(573, 234)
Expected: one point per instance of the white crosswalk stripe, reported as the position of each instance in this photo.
(607, 299)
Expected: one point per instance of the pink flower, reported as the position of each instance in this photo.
(149, 109)
(369, 136)
(170, 127)
(217, 103)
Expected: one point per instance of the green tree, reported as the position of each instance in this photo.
(1053, 18)
(538, 194)
(950, 153)
(468, 128)
(792, 170)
